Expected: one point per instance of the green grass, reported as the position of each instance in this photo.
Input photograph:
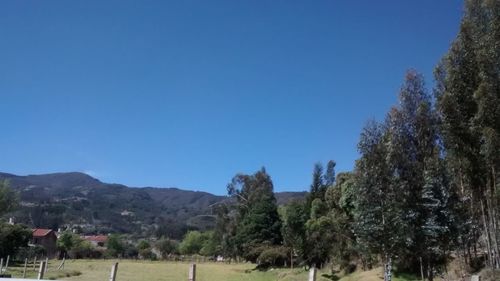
(129, 270)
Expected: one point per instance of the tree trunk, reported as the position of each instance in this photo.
(388, 269)
(493, 216)
(421, 269)
(490, 260)
(430, 274)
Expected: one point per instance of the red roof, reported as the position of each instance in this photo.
(41, 232)
(96, 238)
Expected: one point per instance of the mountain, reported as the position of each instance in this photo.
(77, 200)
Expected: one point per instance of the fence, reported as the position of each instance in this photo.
(114, 270)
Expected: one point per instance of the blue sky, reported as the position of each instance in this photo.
(189, 93)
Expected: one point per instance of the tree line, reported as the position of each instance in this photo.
(425, 188)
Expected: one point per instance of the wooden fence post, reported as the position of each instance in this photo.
(192, 272)
(7, 263)
(114, 269)
(34, 264)
(46, 264)
(61, 266)
(41, 271)
(25, 265)
(312, 274)
(1, 265)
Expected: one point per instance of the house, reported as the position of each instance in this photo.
(96, 240)
(46, 238)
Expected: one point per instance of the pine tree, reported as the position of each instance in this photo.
(317, 190)
(330, 173)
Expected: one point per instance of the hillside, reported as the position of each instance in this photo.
(79, 200)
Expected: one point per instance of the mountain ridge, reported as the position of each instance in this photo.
(78, 200)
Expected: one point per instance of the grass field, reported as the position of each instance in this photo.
(128, 270)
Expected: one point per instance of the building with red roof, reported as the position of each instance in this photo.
(46, 238)
(96, 240)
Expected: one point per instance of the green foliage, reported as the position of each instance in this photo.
(293, 230)
(30, 252)
(167, 246)
(319, 240)
(144, 250)
(196, 242)
(257, 221)
(468, 101)
(75, 247)
(143, 244)
(115, 246)
(318, 186)
(330, 173)
(83, 249)
(12, 238)
(67, 241)
(380, 227)
(341, 201)
(210, 246)
(8, 198)
(272, 256)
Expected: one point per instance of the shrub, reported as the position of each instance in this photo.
(272, 256)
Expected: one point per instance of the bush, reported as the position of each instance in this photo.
(84, 249)
(194, 242)
(272, 256)
(130, 251)
(12, 238)
(115, 245)
(167, 247)
(30, 252)
(147, 254)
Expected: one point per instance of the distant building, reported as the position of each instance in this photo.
(126, 213)
(96, 240)
(46, 238)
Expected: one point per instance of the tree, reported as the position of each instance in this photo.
(115, 245)
(67, 241)
(258, 222)
(468, 96)
(319, 235)
(438, 216)
(412, 141)
(330, 173)
(8, 198)
(83, 249)
(194, 242)
(144, 250)
(340, 200)
(166, 247)
(12, 238)
(318, 187)
(226, 224)
(379, 214)
(294, 218)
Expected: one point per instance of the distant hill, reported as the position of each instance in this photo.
(78, 200)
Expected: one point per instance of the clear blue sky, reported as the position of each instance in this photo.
(189, 93)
